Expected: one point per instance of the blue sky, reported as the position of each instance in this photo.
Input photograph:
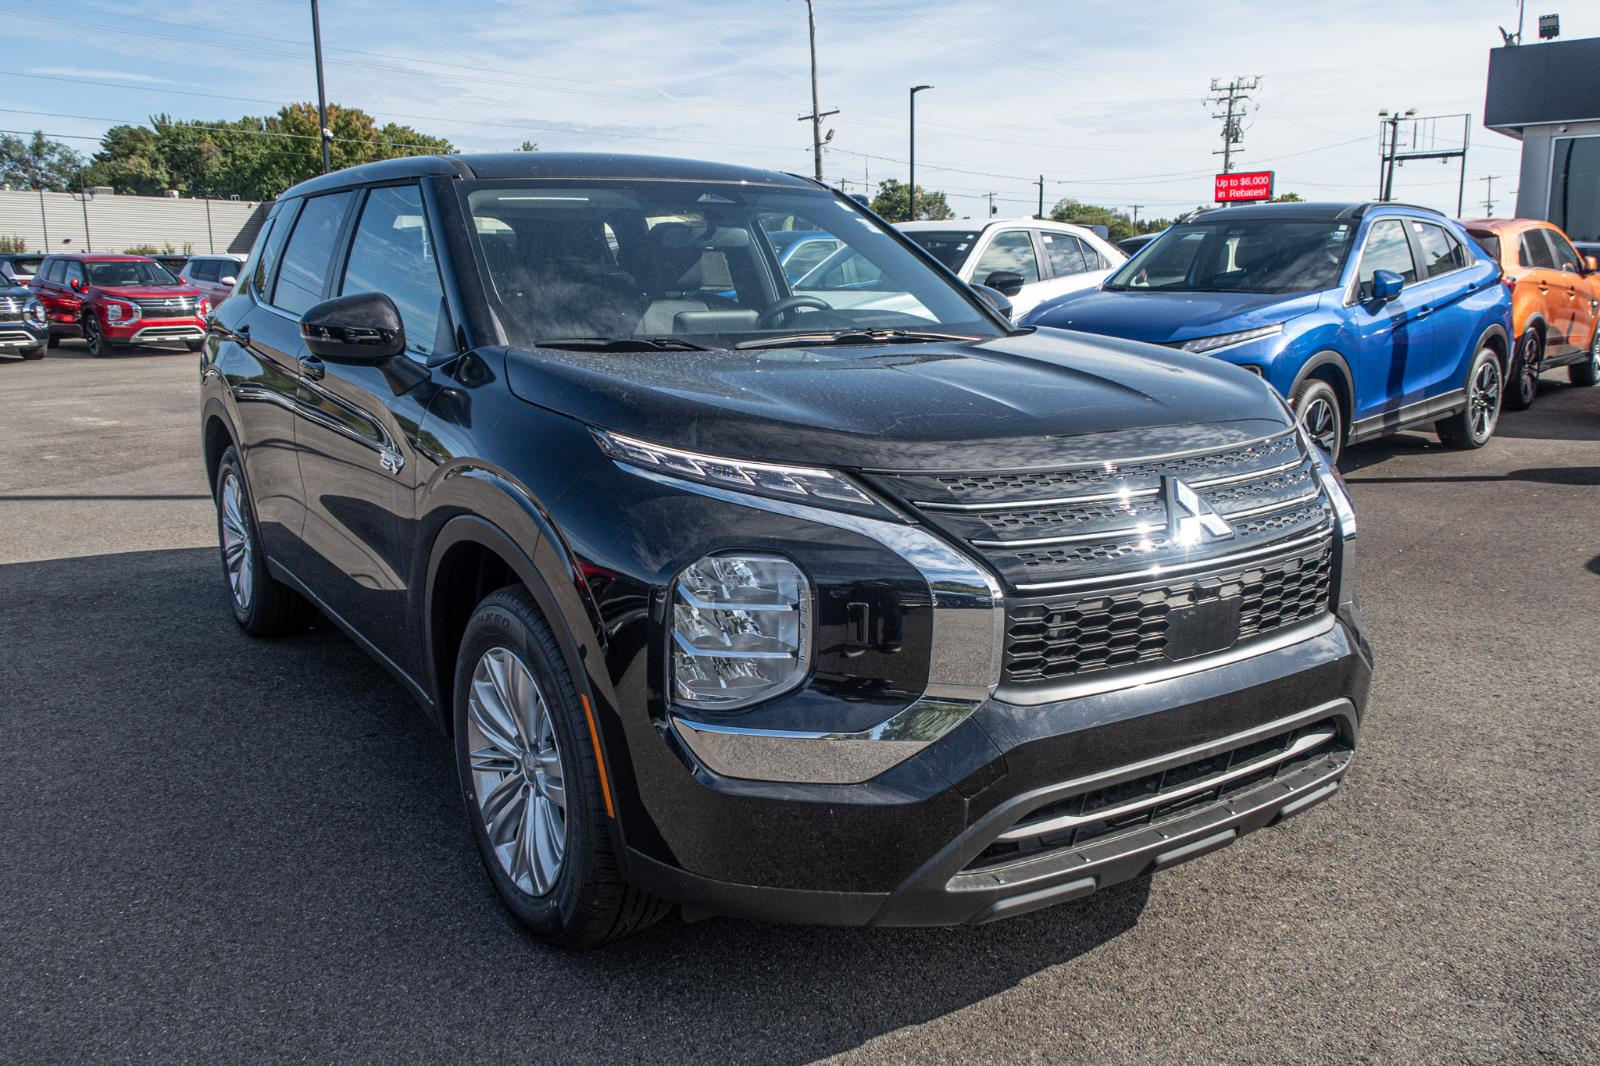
(1103, 99)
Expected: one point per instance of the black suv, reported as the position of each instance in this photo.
(836, 601)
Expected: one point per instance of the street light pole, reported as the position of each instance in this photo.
(323, 133)
(911, 184)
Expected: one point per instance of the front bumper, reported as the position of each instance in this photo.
(154, 331)
(16, 336)
(925, 843)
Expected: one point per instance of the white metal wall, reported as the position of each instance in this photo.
(55, 222)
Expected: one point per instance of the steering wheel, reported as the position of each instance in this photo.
(778, 310)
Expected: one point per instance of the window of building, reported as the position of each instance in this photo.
(1575, 187)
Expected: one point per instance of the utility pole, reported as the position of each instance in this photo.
(1390, 151)
(817, 114)
(325, 134)
(1488, 194)
(1040, 183)
(1231, 97)
(990, 197)
(1135, 208)
(911, 183)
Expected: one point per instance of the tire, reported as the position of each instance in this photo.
(262, 605)
(99, 347)
(1522, 380)
(509, 660)
(195, 346)
(1587, 374)
(36, 352)
(1474, 425)
(1316, 404)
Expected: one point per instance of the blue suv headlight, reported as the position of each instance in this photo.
(1201, 345)
(33, 311)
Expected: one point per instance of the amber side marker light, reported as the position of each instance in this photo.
(599, 759)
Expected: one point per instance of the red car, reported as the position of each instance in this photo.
(115, 300)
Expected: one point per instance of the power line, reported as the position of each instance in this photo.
(1231, 97)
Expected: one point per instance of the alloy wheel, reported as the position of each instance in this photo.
(1527, 385)
(238, 555)
(1485, 398)
(1322, 422)
(518, 783)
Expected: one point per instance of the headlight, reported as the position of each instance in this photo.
(741, 630)
(121, 312)
(765, 479)
(1230, 340)
(33, 311)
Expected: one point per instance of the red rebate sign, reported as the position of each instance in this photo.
(1254, 185)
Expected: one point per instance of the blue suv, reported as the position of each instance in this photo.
(1370, 318)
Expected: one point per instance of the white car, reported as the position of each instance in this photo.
(213, 275)
(1053, 258)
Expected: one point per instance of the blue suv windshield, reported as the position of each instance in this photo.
(1259, 255)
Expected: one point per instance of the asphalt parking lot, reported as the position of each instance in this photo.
(219, 849)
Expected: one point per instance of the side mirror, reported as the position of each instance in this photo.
(361, 328)
(1386, 285)
(77, 284)
(1591, 265)
(1005, 281)
(995, 299)
(230, 281)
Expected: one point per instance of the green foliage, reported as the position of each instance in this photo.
(251, 158)
(890, 202)
(529, 146)
(13, 244)
(1288, 198)
(150, 249)
(38, 163)
(1118, 225)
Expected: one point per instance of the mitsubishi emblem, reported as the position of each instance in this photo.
(1190, 519)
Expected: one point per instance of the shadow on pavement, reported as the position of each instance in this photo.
(213, 841)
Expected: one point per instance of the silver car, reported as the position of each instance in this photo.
(213, 275)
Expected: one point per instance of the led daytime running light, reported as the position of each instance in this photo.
(798, 482)
(1230, 340)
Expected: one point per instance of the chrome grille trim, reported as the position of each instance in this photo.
(1163, 569)
(1102, 497)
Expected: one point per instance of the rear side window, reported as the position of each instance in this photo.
(307, 256)
(1010, 251)
(269, 246)
(1441, 252)
(1387, 249)
(1536, 250)
(392, 254)
(1065, 253)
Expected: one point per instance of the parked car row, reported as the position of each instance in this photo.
(1369, 318)
(116, 300)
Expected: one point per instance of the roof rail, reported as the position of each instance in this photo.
(1360, 210)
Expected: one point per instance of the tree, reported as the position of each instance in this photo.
(890, 202)
(1118, 225)
(529, 146)
(1288, 198)
(253, 158)
(38, 163)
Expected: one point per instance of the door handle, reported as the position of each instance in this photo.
(1424, 311)
(311, 368)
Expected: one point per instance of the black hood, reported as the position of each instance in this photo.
(1033, 399)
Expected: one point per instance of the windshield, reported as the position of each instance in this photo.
(25, 266)
(128, 273)
(950, 247)
(712, 263)
(1489, 241)
(1249, 255)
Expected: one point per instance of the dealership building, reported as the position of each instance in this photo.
(1547, 95)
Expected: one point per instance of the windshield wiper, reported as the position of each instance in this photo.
(853, 336)
(620, 344)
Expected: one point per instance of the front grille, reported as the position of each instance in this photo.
(168, 306)
(1110, 522)
(10, 309)
(1152, 799)
(1066, 637)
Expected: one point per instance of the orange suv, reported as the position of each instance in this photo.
(1555, 302)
